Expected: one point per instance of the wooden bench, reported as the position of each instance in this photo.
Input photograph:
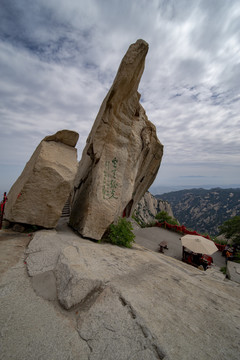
(163, 245)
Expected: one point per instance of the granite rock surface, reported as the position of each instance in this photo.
(39, 194)
(122, 154)
(139, 302)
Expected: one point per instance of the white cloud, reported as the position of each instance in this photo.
(58, 60)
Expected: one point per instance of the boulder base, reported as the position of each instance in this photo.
(122, 155)
(39, 194)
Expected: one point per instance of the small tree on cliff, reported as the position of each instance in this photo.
(121, 234)
(231, 229)
(163, 216)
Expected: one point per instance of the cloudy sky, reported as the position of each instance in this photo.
(58, 59)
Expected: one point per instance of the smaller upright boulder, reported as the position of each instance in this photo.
(40, 192)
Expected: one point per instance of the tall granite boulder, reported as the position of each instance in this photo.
(122, 154)
(40, 192)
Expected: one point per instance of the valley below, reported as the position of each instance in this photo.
(203, 210)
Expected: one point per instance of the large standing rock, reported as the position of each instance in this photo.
(122, 155)
(39, 194)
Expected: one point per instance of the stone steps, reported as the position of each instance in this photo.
(66, 209)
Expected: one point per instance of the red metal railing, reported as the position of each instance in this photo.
(183, 230)
(3, 202)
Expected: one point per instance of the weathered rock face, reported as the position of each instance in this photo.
(66, 137)
(132, 303)
(39, 194)
(149, 206)
(122, 155)
(233, 271)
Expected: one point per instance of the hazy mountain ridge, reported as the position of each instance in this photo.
(204, 210)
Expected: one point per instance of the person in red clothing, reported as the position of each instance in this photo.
(3, 202)
(229, 254)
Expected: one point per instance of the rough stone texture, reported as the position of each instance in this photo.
(116, 322)
(11, 248)
(31, 327)
(44, 285)
(66, 137)
(233, 271)
(182, 311)
(149, 206)
(43, 252)
(39, 194)
(122, 154)
(72, 288)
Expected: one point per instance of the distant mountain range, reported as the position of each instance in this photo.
(203, 210)
(163, 189)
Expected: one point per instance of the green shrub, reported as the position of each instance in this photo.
(224, 270)
(163, 216)
(121, 233)
(221, 242)
(231, 229)
(237, 257)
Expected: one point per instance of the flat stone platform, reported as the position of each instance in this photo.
(64, 297)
